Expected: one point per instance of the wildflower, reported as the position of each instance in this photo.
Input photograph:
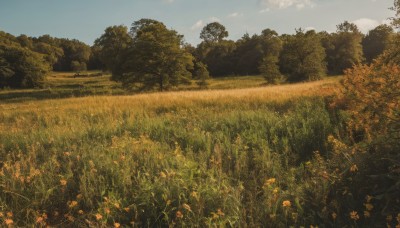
(369, 206)
(179, 215)
(116, 205)
(56, 213)
(80, 212)
(163, 175)
(368, 198)
(186, 206)
(107, 210)
(126, 209)
(9, 214)
(72, 204)
(354, 168)
(8, 221)
(286, 203)
(39, 219)
(367, 214)
(79, 196)
(398, 218)
(219, 212)
(389, 218)
(1, 215)
(275, 191)
(67, 154)
(334, 215)
(354, 215)
(70, 218)
(63, 182)
(98, 216)
(270, 181)
(117, 225)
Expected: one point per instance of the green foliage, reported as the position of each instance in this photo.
(218, 57)
(303, 57)
(344, 48)
(213, 33)
(20, 67)
(112, 47)
(155, 58)
(198, 163)
(377, 41)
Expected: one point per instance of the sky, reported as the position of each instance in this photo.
(86, 20)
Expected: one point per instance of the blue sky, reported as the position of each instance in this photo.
(86, 19)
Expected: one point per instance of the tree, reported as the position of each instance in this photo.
(377, 41)
(345, 49)
(396, 8)
(303, 57)
(74, 50)
(269, 65)
(218, 57)
(112, 46)
(21, 67)
(200, 73)
(155, 58)
(213, 32)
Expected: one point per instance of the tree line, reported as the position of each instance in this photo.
(149, 55)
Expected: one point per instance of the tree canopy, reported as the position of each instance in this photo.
(213, 32)
(155, 58)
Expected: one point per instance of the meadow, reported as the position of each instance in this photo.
(218, 157)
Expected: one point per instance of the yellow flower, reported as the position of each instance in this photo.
(179, 215)
(369, 206)
(39, 219)
(354, 215)
(334, 215)
(63, 182)
(116, 205)
(286, 203)
(117, 225)
(107, 210)
(219, 212)
(9, 214)
(163, 175)
(368, 198)
(72, 204)
(186, 206)
(8, 221)
(126, 209)
(270, 181)
(354, 168)
(275, 191)
(1, 215)
(80, 212)
(98, 216)
(367, 214)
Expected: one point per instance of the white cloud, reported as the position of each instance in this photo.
(197, 25)
(283, 4)
(235, 14)
(264, 10)
(214, 19)
(309, 28)
(366, 24)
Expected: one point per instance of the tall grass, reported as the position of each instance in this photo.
(205, 158)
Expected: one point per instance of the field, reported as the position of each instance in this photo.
(217, 157)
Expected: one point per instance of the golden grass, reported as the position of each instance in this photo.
(278, 93)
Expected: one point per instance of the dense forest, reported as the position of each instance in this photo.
(149, 55)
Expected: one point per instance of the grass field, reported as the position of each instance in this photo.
(217, 157)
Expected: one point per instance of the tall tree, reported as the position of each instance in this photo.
(213, 32)
(269, 64)
(303, 57)
(112, 47)
(155, 58)
(19, 66)
(345, 48)
(377, 41)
